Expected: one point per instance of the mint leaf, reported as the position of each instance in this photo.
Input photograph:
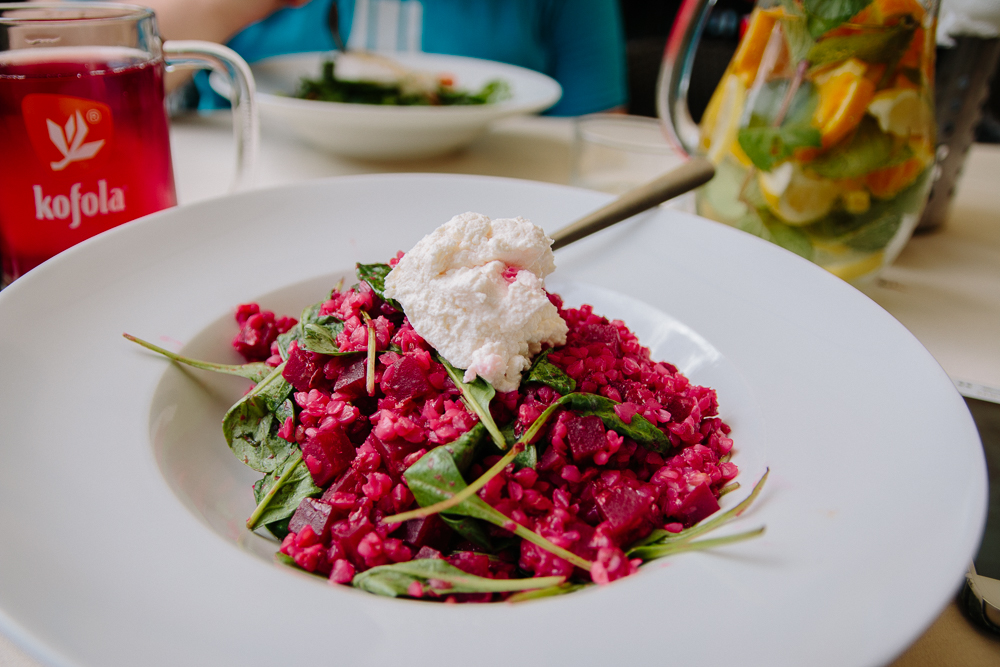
(797, 37)
(767, 147)
(868, 150)
(824, 15)
(878, 45)
(788, 237)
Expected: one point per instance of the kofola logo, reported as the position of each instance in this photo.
(67, 132)
(101, 202)
(71, 135)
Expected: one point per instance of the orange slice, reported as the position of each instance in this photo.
(843, 98)
(750, 52)
(887, 183)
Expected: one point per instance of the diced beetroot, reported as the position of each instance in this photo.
(701, 502)
(349, 482)
(352, 377)
(257, 331)
(347, 534)
(327, 452)
(602, 333)
(313, 513)
(405, 379)
(427, 552)
(623, 507)
(428, 532)
(583, 547)
(471, 562)
(586, 436)
(680, 407)
(393, 454)
(302, 370)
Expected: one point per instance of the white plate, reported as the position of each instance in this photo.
(115, 551)
(375, 132)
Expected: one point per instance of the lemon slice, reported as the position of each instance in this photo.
(796, 197)
(720, 123)
(901, 111)
(851, 271)
(850, 66)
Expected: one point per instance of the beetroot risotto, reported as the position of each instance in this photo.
(384, 470)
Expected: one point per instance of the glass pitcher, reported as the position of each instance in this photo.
(821, 129)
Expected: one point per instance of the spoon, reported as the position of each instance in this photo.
(693, 173)
(333, 23)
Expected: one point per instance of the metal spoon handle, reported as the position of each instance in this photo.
(696, 171)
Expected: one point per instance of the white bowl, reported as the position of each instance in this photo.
(122, 535)
(376, 132)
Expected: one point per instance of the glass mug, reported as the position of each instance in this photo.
(821, 129)
(84, 145)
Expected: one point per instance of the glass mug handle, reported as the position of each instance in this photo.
(675, 74)
(196, 54)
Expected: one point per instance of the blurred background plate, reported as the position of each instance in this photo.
(382, 132)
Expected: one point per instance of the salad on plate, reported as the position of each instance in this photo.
(360, 77)
(446, 429)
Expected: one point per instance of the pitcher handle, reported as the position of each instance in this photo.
(196, 54)
(675, 75)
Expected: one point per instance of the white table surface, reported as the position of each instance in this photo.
(944, 287)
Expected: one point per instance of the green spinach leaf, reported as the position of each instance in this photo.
(477, 396)
(374, 275)
(640, 429)
(314, 332)
(661, 543)
(251, 425)
(547, 373)
(435, 478)
(440, 577)
(549, 592)
(254, 372)
(322, 338)
(278, 496)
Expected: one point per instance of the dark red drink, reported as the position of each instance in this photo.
(84, 147)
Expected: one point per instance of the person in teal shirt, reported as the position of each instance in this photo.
(579, 43)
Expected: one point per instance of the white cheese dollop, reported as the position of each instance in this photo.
(452, 287)
(373, 68)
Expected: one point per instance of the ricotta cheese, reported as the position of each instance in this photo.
(366, 67)
(474, 289)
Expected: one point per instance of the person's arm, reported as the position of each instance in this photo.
(211, 20)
